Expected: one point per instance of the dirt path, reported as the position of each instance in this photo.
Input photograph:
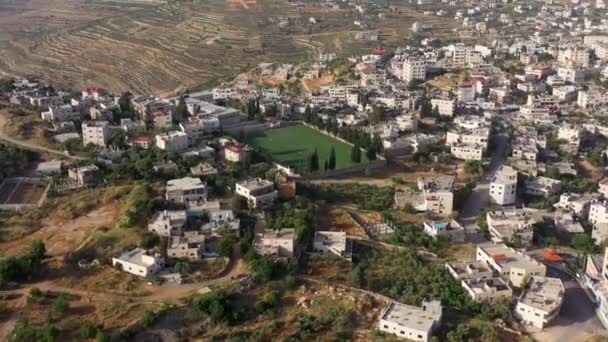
(63, 236)
(29, 146)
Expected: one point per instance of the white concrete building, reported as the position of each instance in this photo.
(466, 92)
(234, 153)
(186, 190)
(96, 133)
(62, 113)
(487, 290)
(450, 230)
(603, 187)
(437, 194)
(507, 225)
(167, 222)
(414, 68)
(259, 192)
(410, 322)
(332, 242)
(540, 302)
(190, 246)
(592, 98)
(162, 119)
(503, 188)
(467, 151)
(509, 264)
(598, 212)
(276, 243)
(570, 133)
(461, 270)
(139, 262)
(542, 186)
(446, 107)
(577, 203)
(407, 122)
(175, 141)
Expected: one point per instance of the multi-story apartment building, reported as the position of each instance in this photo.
(413, 68)
(437, 194)
(259, 192)
(186, 190)
(540, 302)
(503, 188)
(96, 133)
(168, 222)
(174, 141)
(446, 107)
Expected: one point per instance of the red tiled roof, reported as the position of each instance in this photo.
(367, 69)
(95, 90)
(160, 113)
(140, 139)
(499, 257)
(234, 148)
(552, 256)
(378, 51)
(467, 84)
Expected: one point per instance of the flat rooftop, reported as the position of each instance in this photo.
(137, 256)
(468, 269)
(184, 183)
(486, 285)
(409, 316)
(440, 183)
(504, 255)
(252, 184)
(543, 293)
(505, 174)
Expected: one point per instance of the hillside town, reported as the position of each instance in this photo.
(460, 184)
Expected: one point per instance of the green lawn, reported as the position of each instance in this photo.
(291, 145)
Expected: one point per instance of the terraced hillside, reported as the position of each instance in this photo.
(163, 46)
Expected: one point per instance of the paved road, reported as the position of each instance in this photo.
(480, 197)
(29, 146)
(577, 320)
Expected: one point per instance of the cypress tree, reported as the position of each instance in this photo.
(332, 159)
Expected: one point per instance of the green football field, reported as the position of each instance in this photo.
(291, 145)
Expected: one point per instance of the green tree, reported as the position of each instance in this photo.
(101, 337)
(48, 333)
(60, 306)
(583, 244)
(124, 102)
(436, 113)
(355, 277)
(355, 154)
(326, 166)
(225, 247)
(182, 267)
(552, 172)
(331, 164)
(88, 330)
(312, 164)
(181, 111)
(371, 153)
(377, 114)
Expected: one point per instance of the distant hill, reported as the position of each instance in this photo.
(164, 47)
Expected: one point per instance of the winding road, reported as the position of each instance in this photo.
(29, 146)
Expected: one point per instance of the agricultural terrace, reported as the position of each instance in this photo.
(291, 145)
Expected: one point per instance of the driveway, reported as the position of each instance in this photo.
(577, 320)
